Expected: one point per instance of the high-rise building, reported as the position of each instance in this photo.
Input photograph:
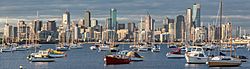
(108, 24)
(121, 26)
(188, 23)
(238, 32)
(165, 24)
(37, 25)
(44, 27)
(15, 34)
(94, 23)
(171, 31)
(87, 19)
(179, 27)
(22, 30)
(51, 26)
(211, 32)
(196, 14)
(66, 20)
(149, 28)
(66, 25)
(131, 27)
(113, 16)
(7, 31)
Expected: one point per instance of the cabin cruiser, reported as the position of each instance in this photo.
(41, 56)
(196, 55)
(134, 56)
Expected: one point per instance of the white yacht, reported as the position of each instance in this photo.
(196, 55)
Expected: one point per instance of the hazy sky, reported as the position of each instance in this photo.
(237, 11)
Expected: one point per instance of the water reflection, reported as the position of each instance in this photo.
(41, 65)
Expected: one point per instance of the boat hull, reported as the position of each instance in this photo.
(196, 60)
(169, 55)
(41, 60)
(223, 64)
(57, 55)
(112, 60)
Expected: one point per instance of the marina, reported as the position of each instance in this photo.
(93, 59)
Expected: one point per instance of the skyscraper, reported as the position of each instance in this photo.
(165, 23)
(131, 27)
(179, 28)
(7, 31)
(113, 16)
(51, 26)
(37, 25)
(66, 24)
(196, 15)
(149, 27)
(87, 19)
(188, 23)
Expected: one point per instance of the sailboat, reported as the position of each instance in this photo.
(40, 56)
(224, 61)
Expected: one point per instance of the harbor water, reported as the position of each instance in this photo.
(92, 59)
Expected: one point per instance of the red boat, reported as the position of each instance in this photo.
(116, 59)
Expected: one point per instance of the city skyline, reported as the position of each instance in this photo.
(156, 8)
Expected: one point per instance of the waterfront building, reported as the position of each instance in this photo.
(44, 27)
(211, 32)
(171, 31)
(149, 28)
(225, 31)
(37, 25)
(121, 26)
(238, 32)
(179, 27)
(200, 34)
(15, 34)
(94, 23)
(113, 16)
(165, 24)
(131, 30)
(66, 24)
(188, 23)
(51, 26)
(122, 34)
(196, 14)
(22, 30)
(87, 19)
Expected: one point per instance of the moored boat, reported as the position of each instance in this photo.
(116, 59)
(156, 48)
(175, 53)
(196, 56)
(224, 61)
